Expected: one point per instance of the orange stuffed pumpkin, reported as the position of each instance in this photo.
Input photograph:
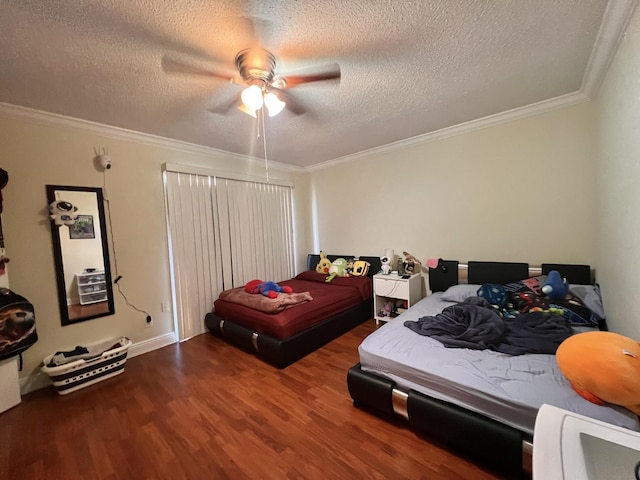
(602, 367)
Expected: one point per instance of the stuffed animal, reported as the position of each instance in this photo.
(602, 367)
(409, 264)
(63, 212)
(360, 267)
(556, 287)
(268, 289)
(348, 271)
(324, 264)
(386, 310)
(337, 269)
(386, 265)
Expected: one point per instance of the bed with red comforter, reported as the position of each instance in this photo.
(285, 329)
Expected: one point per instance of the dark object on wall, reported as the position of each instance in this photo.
(4, 179)
(83, 228)
(17, 324)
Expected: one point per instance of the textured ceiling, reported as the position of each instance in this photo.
(408, 68)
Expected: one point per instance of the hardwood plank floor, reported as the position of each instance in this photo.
(203, 409)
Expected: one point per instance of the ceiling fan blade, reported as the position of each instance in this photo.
(331, 73)
(171, 65)
(292, 104)
(224, 107)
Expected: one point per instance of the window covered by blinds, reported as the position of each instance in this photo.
(223, 232)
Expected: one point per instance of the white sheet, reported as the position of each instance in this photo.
(509, 389)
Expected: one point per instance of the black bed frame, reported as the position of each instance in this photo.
(283, 352)
(500, 447)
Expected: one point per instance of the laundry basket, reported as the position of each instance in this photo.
(101, 360)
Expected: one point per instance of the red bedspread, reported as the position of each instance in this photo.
(329, 299)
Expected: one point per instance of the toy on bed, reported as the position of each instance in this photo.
(360, 267)
(268, 289)
(556, 287)
(602, 367)
(324, 264)
(338, 268)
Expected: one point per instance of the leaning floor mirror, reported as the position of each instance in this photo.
(81, 254)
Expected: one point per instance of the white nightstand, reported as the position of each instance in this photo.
(394, 287)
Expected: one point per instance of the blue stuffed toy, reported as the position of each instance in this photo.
(268, 289)
(556, 287)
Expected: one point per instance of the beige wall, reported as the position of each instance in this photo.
(38, 152)
(618, 173)
(521, 191)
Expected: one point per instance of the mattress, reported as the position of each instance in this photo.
(508, 389)
(329, 299)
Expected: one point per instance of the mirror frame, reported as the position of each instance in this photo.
(57, 255)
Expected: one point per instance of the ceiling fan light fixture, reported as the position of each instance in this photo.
(248, 111)
(252, 97)
(273, 103)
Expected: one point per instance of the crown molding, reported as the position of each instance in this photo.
(614, 23)
(116, 133)
(462, 128)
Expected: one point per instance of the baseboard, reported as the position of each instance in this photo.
(151, 344)
(40, 380)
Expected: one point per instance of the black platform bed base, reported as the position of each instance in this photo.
(282, 353)
(499, 447)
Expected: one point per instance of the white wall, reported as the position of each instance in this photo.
(36, 152)
(521, 191)
(618, 173)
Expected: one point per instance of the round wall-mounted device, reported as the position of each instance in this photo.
(105, 161)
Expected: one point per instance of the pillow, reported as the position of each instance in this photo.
(590, 296)
(459, 293)
(312, 276)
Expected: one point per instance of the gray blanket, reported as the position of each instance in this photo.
(475, 324)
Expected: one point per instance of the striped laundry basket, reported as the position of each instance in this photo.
(95, 362)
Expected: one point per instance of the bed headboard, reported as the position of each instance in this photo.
(452, 272)
(376, 264)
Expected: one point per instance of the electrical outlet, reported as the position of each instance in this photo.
(148, 322)
(164, 306)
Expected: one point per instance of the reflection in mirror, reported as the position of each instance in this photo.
(81, 256)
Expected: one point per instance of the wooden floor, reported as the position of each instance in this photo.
(80, 311)
(205, 410)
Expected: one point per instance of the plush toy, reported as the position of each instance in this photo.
(63, 212)
(556, 287)
(337, 269)
(360, 267)
(348, 271)
(386, 310)
(324, 264)
(386, 265)
(268, 289)
(409, 264)
(602, 367)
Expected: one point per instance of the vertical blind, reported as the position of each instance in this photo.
(223, 232)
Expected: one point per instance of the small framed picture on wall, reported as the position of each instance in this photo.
(83, 228)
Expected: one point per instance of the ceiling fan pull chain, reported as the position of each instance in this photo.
(264, 144)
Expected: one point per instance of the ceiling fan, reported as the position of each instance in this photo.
(256, 71)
